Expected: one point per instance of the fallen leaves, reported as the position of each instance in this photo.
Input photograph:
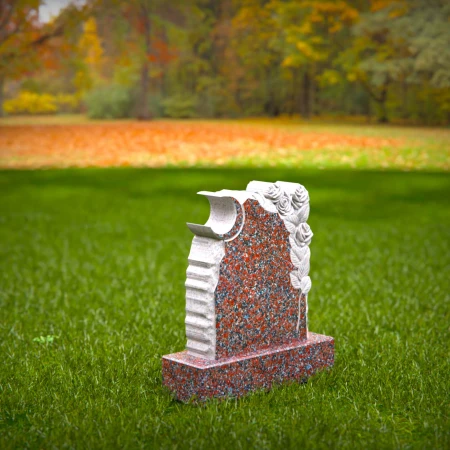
(163, 143)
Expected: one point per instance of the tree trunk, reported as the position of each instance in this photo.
(306, 96)
(382, 102)
(369, 111)
(404, 99)
(271, 105)
(293, 101)
(144, 113)
(2, 86)
(316, 104)
(143, 110)
(312, 95)
(379, 99)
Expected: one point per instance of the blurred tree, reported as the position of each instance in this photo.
(227, 58)
(148, 22)
(90, 59)
(400, 42)
(257, 69)
(25, 43)
(19, 35)
(311, 39)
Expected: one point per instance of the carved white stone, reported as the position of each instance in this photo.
(207, 252)
(290, 201)
(202, 278)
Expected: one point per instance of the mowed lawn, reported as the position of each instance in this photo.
(96, 259)
(73, 141)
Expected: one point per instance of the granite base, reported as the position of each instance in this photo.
(199, 379)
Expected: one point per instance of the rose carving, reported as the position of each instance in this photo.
(284, 205)
(300, 197)
(274, 193)
(303, 235)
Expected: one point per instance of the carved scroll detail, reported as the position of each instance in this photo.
(207, 251)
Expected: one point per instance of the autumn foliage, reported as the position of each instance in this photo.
(158, 144)
(388, 60)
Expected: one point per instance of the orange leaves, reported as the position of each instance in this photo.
(161, 143)
(162, 53)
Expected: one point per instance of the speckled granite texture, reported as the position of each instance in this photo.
(191, 378)
(255, 302)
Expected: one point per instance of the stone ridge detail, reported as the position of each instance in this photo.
(202, 277)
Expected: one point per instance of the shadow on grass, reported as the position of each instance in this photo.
(357, 195)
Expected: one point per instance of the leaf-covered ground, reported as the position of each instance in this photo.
(258, 143)
(92, 271)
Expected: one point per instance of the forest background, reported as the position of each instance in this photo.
(382, 59)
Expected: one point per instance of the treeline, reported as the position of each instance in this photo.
(228, 58)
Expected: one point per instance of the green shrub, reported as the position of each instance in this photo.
(109, 102)
(179, 106)
(155, 105)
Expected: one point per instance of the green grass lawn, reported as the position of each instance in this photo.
(97, 258)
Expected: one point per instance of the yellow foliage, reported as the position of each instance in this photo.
(31, 103)
(90, 44)
(308, 27)
(329, 78)
(289, 61)
(82, 81)
(335, 13)
(66, 101)
(305, 28)
(91, 52)
(308, 51)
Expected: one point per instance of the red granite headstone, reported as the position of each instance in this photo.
(246, 296)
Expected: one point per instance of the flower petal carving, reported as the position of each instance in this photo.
(303, 235)
(300, 197)
(284, 205)
(303, 270)
(299, 254)
(299, 216)
(305, 285)
(303, 213)
(295, 280)
(274, 193)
